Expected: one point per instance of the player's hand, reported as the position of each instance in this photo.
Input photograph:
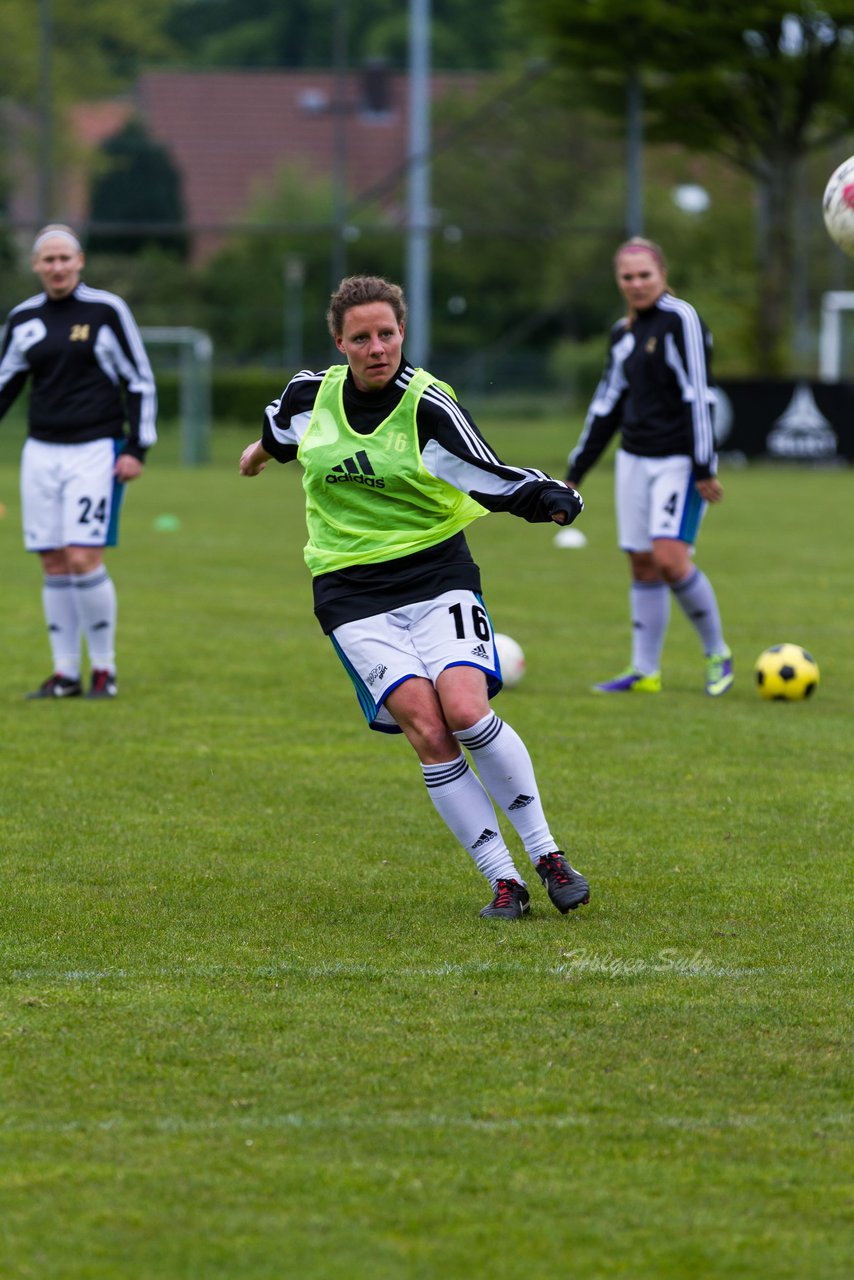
(253, 459)
(710, 490)
(127, 467)
(564, 507)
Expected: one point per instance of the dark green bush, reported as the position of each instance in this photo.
(239, 395)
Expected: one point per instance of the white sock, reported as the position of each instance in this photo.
(96, 606)
(501, 758)
(59, 601)
(467, 810)
(696, 597)
(650, 610)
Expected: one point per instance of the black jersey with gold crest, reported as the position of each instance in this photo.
(89, 371)
(656, 390)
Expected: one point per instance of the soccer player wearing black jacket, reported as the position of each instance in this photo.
(394, 469)
(656, 390)
(90, 376)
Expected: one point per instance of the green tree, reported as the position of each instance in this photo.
(302, 33)
(247, 287)
(761, 84)
(95, 47)
(56, 52)
(136, 196)
(524, 192)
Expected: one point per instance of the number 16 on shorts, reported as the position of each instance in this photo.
(421, 639)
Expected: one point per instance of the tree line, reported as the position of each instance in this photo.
(754, 103)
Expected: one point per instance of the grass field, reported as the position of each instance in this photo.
(251, 1024)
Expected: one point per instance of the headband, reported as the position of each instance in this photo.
(633, 247)
(51, 233)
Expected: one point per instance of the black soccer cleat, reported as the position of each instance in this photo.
(567, 887)
(103, 685)
(57, 686)
(510, 901)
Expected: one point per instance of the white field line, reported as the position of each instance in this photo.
(324, 1119)
(577, 962)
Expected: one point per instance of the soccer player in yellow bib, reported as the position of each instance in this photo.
(394, 469)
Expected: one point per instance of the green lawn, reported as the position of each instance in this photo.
(251, 1023)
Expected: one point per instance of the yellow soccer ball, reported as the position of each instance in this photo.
(786, 673)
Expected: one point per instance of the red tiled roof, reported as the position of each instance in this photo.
(93, 122)
(230, 131)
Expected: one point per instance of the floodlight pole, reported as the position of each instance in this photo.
(418, 203)
(45, 178)
(340, 110)
(634, 155)
(293, 273)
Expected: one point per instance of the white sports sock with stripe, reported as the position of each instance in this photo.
(696, 597)
(650, 609)
(59, 600)
(502, 760)
(96, 605)
(465, 808)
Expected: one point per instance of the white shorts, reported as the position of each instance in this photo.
(69, 495)
(655, 498)
(422, 639)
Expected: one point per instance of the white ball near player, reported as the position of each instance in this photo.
(838, 206)
(511, 658)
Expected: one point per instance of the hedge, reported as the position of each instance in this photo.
(237, 394)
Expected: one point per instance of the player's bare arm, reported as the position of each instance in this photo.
(710, 490)
(127, 468)
(254, 459)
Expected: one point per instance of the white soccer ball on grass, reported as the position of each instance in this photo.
(570, 537)
(511, 659)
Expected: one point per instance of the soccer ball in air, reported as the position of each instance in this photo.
(838, 206)
(511, 659)
(786, 672)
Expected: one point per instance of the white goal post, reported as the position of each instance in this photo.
(833, 304)
(195, 368)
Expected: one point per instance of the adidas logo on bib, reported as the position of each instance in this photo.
(356, 470)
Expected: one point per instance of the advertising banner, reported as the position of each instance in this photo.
(786, 419)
